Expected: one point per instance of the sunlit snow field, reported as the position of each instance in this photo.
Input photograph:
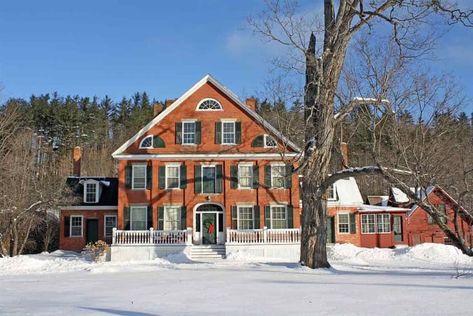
(426, 279)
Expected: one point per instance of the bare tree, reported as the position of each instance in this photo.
(323, 67)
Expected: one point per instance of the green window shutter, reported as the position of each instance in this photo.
(352, 224)
(256, 218)
(290, 216)
(183, 172)
(219, 179)
(234, 176)
(128, 175)
(238, 132)
(197, 223)
(149, 176)
(288, 182)
(218, 133)
(198, 179)
(234, 217)
(198, 132)
(158, 142)
(161, 218)
(258, 141)
(267, 176)
(267, 216)
(178, 132)
(183, 218)
(67, 226)
(162, 177)
(150, 217)
(255, 176)
(126, 211)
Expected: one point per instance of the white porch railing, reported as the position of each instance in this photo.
(152, 237)
(264, 236)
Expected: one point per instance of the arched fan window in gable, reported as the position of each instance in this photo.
(152, 142)
(265, 141)
(209, 105)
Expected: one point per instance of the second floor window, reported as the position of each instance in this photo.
(172, 177)
(208, 178)
(188, 133)
(278, 174)
(245, 176)
(138, 177)
(91, 195)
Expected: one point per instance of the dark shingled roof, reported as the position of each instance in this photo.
(109, 196)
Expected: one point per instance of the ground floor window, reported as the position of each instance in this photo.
(138, 218)
(384, 223)
(368, 223)
(278, 217)
(172, 218)
(110, 223)
(343, 223)
(76, 226)
(245, 217)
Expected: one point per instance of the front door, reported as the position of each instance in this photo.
(209, 228)
(397, 228)
(92, 233)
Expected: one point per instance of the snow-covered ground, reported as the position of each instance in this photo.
(426, 279)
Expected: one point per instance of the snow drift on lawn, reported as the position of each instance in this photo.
(421, 256)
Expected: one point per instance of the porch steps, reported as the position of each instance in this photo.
(207, 252)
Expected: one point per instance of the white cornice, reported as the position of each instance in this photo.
(89, 207)
(248, 156)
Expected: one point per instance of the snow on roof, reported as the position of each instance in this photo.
(378, 200)
(365, 208)
(348, 192)
(399, 196)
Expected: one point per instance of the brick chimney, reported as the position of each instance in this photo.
(76, 157)
(251, 103)
(344, 153)
(157, 108)
(169, 102)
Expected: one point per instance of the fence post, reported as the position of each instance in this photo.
(114, 235)
(189, 236)
(228, 234)
(151, 235)
(265, 234)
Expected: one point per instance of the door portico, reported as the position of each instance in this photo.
(208, 224)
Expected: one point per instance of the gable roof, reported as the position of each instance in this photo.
(195, 87)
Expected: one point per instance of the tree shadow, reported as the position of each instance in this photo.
(117, 311)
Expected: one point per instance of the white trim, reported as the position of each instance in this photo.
(283, 176)
(97, 190)
(252, 214)
(338, 223)
(194, 88)
(179, 209)
(271, 213)
(264, 141)
(193, 121)
(133, 176)
(141, 143)
(226, 121)
(105, 224)
(81, 226)
(204, 110)
(178, 166)
(204, 156)
(131, 214)
(89, 207)
(245, 164)
(334, 191)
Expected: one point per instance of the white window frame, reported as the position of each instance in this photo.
(208, 99)
(132, 208)
(383, 223)
(271, 214)
(333, 196)
(166, 220)
(266, 136)
(133, 176)
(250, 165)
(81, 226)
(347, 223)
(97, 190)
(223, 122)
(367, 224)
(178, 166)
(273, 175)
(252, 216)
(105, 225)
(183, 132)
(143, 140)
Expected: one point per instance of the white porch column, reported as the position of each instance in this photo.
(150, 240)
(114, 235)
(189, 236)
(228, 234)
(265, 234)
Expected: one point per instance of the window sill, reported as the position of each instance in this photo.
(189, 144)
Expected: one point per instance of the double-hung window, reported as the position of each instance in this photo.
(172, 176)
(368, 223)
(209, 176)
(76, 226)
(383, 223)
(172, 218)
(278, 216)
(91, 192)
(188, 132)
(245, 176)
(245, 217)
(278, 173)
(343, 223)
(228, 133)
(110, 223)
(138, 218)
(331, 193)
(138, 177)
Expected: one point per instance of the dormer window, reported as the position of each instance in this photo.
(332, 193)
(269, 142)
(209, 105)
(91, 192)
(147, 142)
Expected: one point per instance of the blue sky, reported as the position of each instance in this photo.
(116, 48)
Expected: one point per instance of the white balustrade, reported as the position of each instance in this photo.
(264, 236)
(152, 237)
